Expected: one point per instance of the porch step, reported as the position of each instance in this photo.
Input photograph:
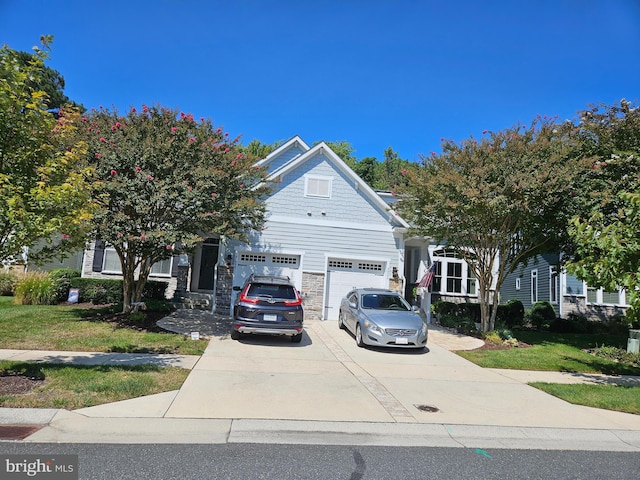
(193, 301)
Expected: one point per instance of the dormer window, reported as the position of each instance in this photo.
(317, 186)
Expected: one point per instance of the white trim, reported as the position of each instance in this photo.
(553, 272)
(534, 274)
(325, 222)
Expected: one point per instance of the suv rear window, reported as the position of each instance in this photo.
(286, 292)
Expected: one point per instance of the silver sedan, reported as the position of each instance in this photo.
(382, 318)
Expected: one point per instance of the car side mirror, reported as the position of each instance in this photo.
(352, 305)
(236, 288)
(415, 308)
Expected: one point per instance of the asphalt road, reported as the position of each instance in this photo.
(315, 462)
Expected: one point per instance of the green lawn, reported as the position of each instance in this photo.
(72, 328)
(564, 353)
(76, 386)
(554, 352)
(610, 397)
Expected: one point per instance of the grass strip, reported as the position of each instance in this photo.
(78, 386)
(610, 397)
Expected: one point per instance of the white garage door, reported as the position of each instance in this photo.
(345, 275)
(266, 264)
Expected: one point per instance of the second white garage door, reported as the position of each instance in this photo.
(343, 275)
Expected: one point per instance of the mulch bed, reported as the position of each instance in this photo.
(12, 384)
(502, 346)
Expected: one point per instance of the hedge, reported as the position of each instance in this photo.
(101, 290)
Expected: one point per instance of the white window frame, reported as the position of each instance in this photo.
(312, 184)
(445, 257)
(599, 294)
(107, 252)
(162, 274)
(554, 284)
(534, 286)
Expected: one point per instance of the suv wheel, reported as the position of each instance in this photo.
(235, 335)
(297, 338)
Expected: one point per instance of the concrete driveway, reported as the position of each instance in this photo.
(328, 378)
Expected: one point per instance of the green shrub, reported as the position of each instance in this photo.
(541, 315)
(460, 324)
(619, 325)
(62, 280)
(158, 305)
(35, 288)
(470, 311)
(99, 291)
(8, 282)
(446, 308)
(510, 314)
(155, 290)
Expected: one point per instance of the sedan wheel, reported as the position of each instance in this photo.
(359, 341)
(341, 321)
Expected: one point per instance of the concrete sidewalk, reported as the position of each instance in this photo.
(327, 390)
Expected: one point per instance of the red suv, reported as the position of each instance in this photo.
(268, 305)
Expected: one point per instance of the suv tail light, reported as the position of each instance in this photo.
(245, 298)
(294, 303)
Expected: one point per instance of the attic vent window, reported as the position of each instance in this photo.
(315, 186)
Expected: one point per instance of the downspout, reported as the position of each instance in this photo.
(215, 284)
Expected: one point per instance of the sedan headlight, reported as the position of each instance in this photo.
(423, 330)
(372, 326)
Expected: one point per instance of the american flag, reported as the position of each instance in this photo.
(428, 276)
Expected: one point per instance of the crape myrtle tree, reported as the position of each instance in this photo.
(44, 182)
(606, 234)
(497, 201)
(167, 179)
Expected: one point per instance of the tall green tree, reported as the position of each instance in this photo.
(258, 150)
(44, 184)
(606, 234)
(167, 180)
(495, 201)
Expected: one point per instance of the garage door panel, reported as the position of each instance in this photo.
(266, 264)
(344, 275)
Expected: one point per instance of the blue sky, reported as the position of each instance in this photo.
(375, 73)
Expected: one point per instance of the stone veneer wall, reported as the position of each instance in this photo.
(579, 305)
(224, 286)
(312, 295)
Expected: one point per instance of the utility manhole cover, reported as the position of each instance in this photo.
(427, 408)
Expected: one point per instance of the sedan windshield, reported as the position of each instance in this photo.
(384, 302)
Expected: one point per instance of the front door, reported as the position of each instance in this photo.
(208, 260)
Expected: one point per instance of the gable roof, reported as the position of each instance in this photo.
(323, 149)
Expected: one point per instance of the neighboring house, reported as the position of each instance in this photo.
(540, 280)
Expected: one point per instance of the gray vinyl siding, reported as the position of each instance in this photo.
(314, 241)
(346, 204)
(541, 263)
